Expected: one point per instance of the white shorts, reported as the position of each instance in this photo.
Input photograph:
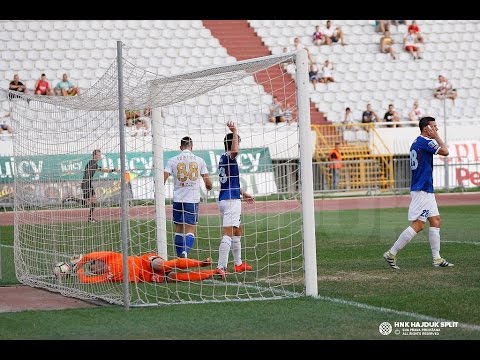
(231, 211)
(422, 206)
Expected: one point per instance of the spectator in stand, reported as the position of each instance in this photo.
(288, 114)
(66, 87)
(288, 66)
(386, 45)
(276, 112)
(415, 114)
(42, 86)
(313, 75)
(327, 75)
(444, 90)
(382, 25)
(297, 45)
(17, 85)
(369, 116)
(333, 35)
(142, 123)
(139, 127)
(131, 117)
(392, 116)
(416, 30)
(348, 118)
(4, 126)
(317, 37)
(410, 44)
(147, 119)
(309, 56)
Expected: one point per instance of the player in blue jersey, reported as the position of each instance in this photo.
(187, 170)
(230, 205)
(423, 205)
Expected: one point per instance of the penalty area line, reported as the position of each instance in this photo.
(461, 242)
(396, 312)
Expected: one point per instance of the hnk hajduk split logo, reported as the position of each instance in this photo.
(424, 328)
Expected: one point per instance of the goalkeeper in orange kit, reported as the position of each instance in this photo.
(107, 266)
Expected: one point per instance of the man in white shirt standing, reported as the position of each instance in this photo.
(187, 169)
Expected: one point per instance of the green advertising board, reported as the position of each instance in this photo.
(70, 167)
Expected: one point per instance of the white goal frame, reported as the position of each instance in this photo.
(232, 72)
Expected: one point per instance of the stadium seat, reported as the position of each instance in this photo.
(88, 41)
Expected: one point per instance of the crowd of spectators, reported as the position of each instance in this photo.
(412, 40)
(443, 90)
(64, 87)
(139, 120)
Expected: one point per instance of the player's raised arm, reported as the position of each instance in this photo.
(234, 148)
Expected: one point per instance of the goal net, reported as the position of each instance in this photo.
(55, 139)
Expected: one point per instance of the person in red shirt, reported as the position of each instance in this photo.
(317, 36)
(416, 30)
(42, 87)
(107, 266)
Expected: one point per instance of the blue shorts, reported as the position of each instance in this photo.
(185, 213)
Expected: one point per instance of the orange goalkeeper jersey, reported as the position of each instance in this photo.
(139, 268)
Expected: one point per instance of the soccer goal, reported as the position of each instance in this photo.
(136, 119)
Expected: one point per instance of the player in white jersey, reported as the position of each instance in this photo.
(187, 169)
(423, 205)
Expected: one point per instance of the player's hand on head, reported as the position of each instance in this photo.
(431, 131)
(231, 125)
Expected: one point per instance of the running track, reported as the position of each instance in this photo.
(337, 204)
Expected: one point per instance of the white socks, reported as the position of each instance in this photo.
(403, 240)
(434, 238)
(223, 252)
(237, 250)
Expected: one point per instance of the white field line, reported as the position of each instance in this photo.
(396, 312)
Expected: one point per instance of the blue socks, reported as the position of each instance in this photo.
(183, 247)
(179, 245)
(189, 241)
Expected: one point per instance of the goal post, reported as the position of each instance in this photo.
(308, 208)
(53, 143)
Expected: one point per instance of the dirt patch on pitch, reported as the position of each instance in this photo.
(21, 298)
(352, 276)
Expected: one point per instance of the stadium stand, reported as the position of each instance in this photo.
(84, 48)
(365, 75)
